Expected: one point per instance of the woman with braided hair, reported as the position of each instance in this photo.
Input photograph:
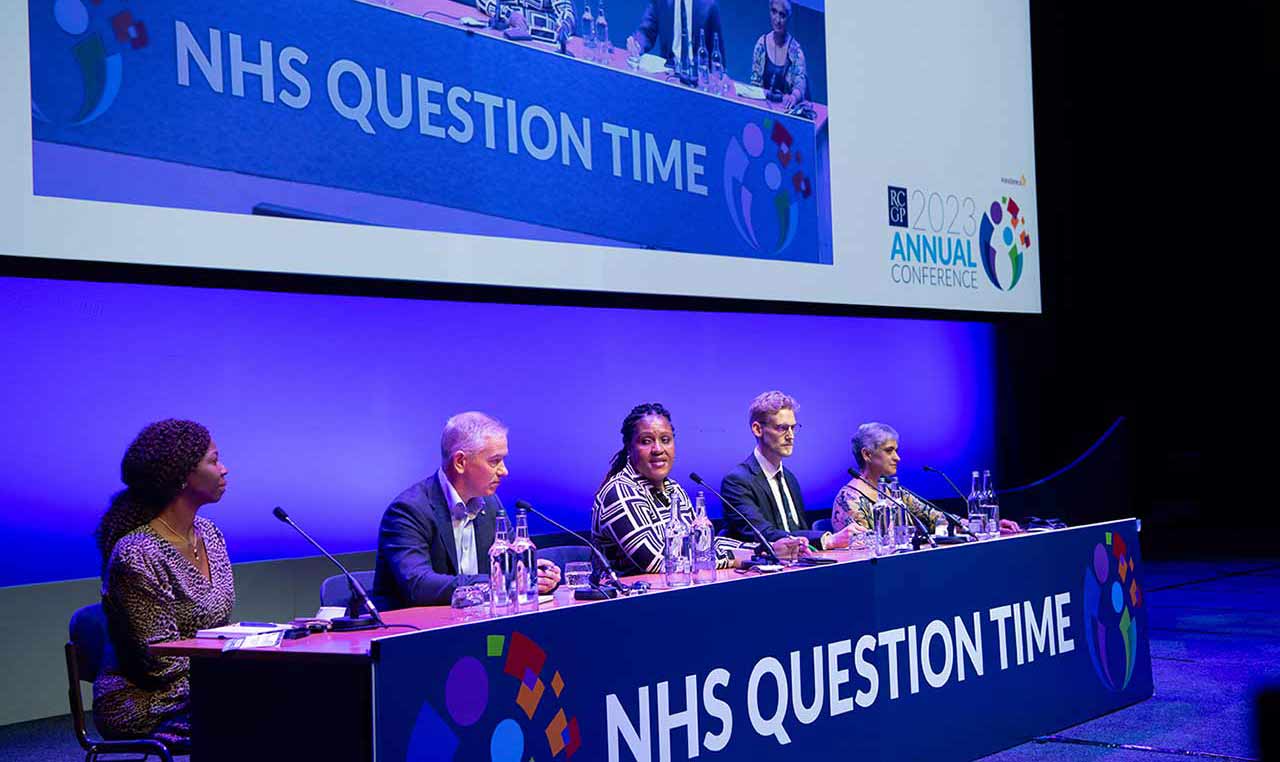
(637, 496)
(165, 575)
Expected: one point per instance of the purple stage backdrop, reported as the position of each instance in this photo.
(329, 405)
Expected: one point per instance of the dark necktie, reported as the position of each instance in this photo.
(787, 513)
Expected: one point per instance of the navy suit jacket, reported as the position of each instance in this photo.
(658, 24)
(747, 488)
(417, 561)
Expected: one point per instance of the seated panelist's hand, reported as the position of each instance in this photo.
(841, 539)
(1008, 526)
(791, 548)
(788, 101)
(548, 576)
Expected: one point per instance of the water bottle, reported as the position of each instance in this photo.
(501, 563)
(677, 550)
(704, 62)
(717, 65)
(885, 528)
(587, 29)
(525, 555)
(903, 526)
(604, 47)
(990, 504)
(977, 519)
(704, 551)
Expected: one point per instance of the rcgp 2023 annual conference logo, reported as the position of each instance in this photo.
(933, 236)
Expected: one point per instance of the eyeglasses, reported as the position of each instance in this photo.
(782, 428)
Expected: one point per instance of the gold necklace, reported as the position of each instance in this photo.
(195, 549)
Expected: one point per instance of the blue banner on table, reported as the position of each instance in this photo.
(351, 96)
(947, 654)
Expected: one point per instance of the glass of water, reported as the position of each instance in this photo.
(472, 598)
(577, 575)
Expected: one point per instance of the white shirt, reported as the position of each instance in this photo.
(464, 526)
(683, 26)
(771, 474)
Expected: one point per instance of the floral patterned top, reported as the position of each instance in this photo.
(852, 506)
(151, 594)
(796, 75)
(627, 523)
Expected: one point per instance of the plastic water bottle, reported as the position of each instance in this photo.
(525, 553)
(677, 551)
(977, 523)
(587, 29)
(717, 65)
(604, 47)
(704, 552)
(990, 504)
(704, 62)
(501, 563)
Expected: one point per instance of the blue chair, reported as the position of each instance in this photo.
(564, 554)
(335, 591)
(87, 649)
(823, 525)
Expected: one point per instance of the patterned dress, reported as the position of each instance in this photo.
(852, 506)
(795, 74)
(152, 594)
(627, 523)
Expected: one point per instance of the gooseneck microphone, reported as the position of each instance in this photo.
(956, 524)
(767, 546)
(341, 623)
(608, 568)
(921, 529)
(943, 474)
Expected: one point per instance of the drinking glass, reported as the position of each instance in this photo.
(577, 575)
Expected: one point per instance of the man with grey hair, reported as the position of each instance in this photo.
(436, 534)
(766, 493)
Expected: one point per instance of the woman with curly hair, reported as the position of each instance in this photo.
(165, 575)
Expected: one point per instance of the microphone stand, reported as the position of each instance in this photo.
(343, 623)
(954, 523)
(767, 547)
(618, 585)
(921, 530)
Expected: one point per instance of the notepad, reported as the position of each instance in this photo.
(240, 630)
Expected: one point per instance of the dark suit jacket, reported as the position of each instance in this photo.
(658, 24)
(748, 489)
(417, 562)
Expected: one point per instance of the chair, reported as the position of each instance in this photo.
(564, 554)
(87, 650)
(823, 525)
(335, 591)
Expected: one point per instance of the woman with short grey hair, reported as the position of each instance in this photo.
(875, 450)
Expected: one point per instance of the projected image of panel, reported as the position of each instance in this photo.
(531, 120)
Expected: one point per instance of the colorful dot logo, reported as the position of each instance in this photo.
(479, 724)
(76, 84)
(764, 185)
(1003, 231)
(1111, 599)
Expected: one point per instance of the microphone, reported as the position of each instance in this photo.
(952, 519)
(613, 575)
(921, 529)
(769, 553)
(943, 474)
(342, 623)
